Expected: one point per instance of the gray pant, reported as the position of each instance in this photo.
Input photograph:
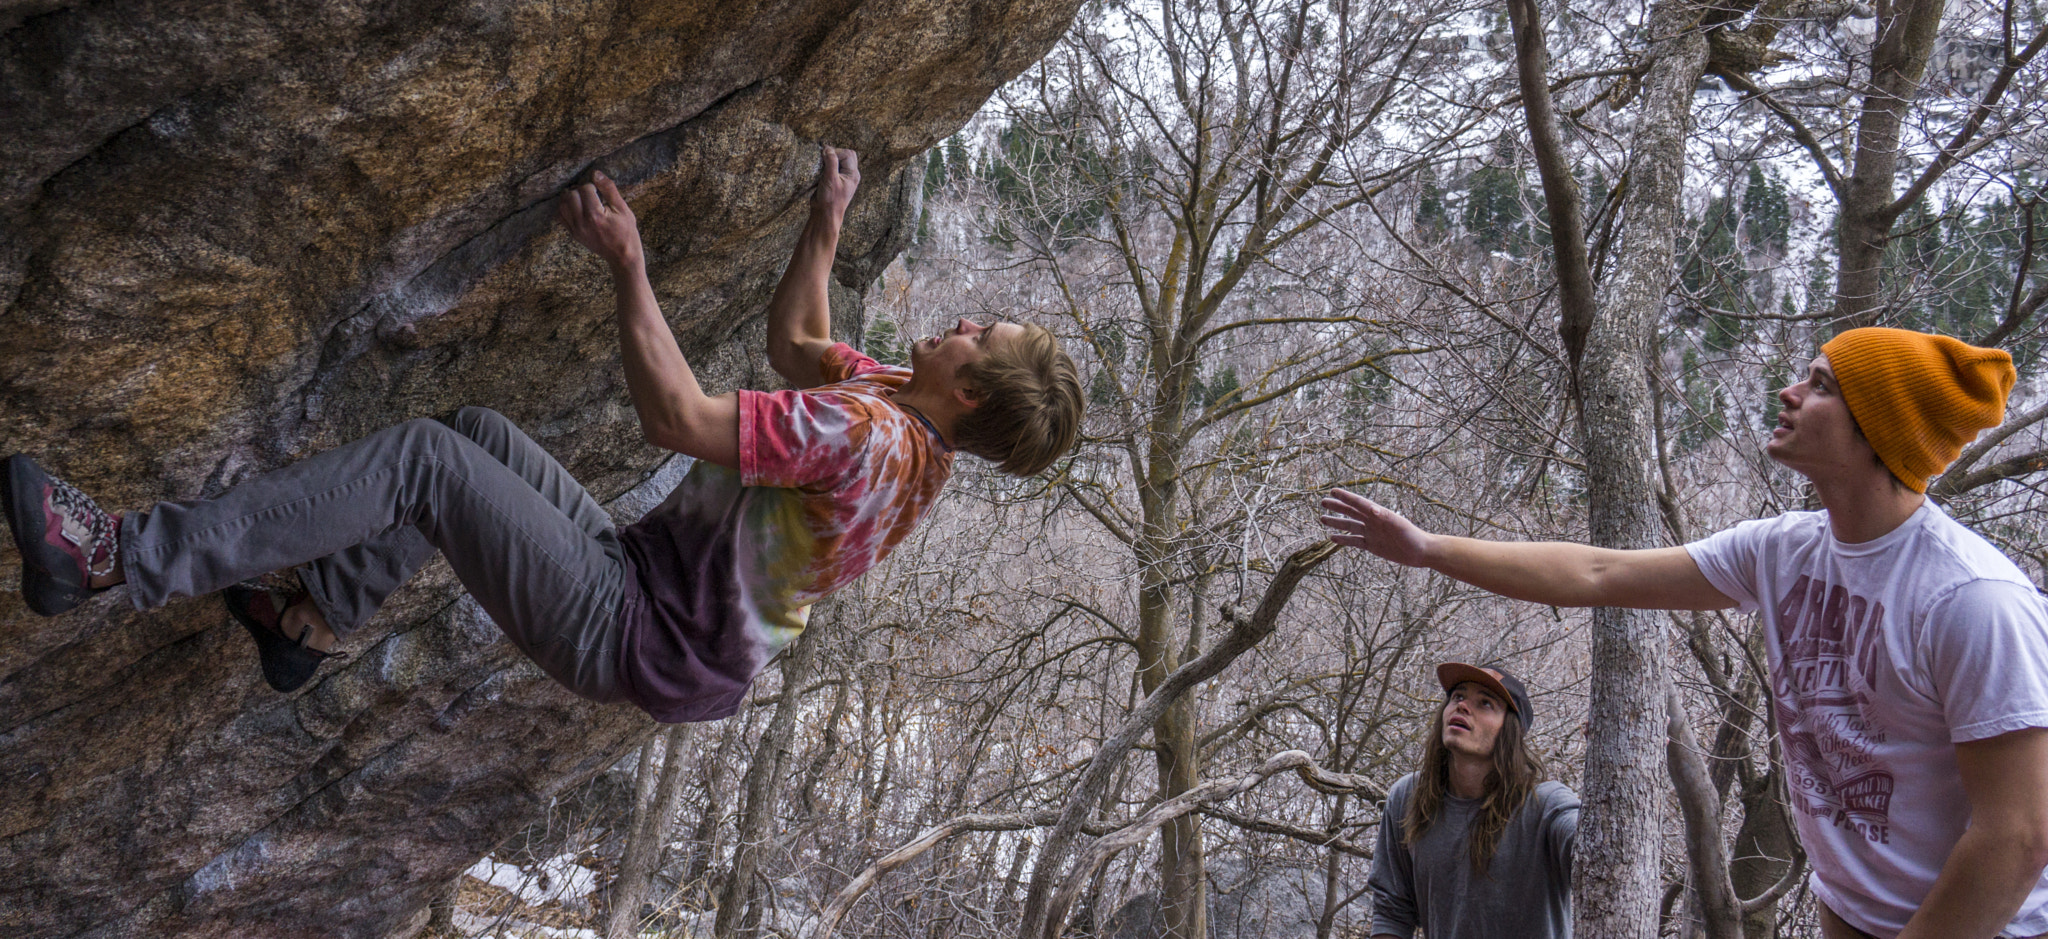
(527, 541)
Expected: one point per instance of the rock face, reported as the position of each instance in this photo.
(233, 233)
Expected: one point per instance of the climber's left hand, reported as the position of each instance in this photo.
(597, 216)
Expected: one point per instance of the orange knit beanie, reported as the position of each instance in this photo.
(1919, 397)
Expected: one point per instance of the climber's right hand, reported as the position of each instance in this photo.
(838, 177)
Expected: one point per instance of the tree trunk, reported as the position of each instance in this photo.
(1763, 852)
(653, 809)
(762, 783)
(645, 782)
(841, 698)
(1719, 911)
(704, 837)
(1905, 38)
(1183, 900)
(1177, 759)
(1615, 871)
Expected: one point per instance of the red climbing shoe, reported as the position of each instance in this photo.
(64, 538)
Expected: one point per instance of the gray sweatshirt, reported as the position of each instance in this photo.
(1525, 893)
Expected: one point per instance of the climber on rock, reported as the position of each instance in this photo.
(1907, 655)
(792, 495)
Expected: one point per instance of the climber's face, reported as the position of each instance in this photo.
(941, 356)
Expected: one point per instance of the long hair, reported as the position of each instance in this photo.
(1516, 772)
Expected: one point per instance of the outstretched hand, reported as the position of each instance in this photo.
(598, 218)
(838, 177)
(1358, 522)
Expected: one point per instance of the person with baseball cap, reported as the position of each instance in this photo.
(1476, 844)
(1908, 657)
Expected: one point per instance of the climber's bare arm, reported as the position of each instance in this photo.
(800, 315)
(1550, 572)
(674, 410)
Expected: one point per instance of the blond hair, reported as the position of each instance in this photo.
(1029, 410)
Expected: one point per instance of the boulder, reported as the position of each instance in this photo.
(234, 232)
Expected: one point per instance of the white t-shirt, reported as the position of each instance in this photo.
(1884, 655)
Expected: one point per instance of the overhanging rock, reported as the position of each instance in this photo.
(234, 233)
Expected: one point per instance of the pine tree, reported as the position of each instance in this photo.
(1717, 276)
(1430, 215)
(1766, 212)
(1494, 215)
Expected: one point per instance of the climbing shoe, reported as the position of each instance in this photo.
(287, 663)
(64, 538)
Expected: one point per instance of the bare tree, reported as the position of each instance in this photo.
(1606, 332)
(658, 789)
(1155, 174)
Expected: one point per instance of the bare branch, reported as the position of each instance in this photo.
(1340, 784)
(1560, 192)
(1699, 802)
(835, 911)
(1989, 442)
(2014, 468)
(1800, 132)
(1321, 839)
(1217, 414)
(1136, 832)
(1960, 146)
(1243, 634)
(1793, 875)
(2025, 303)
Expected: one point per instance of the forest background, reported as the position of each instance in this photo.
(1531, 272)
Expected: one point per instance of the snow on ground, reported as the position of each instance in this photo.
(489, 927)
(558, 879)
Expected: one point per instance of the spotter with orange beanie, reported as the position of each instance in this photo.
(1908, 657)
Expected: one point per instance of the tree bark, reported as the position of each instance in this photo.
(763, 779)
(1616, 869)
(1615, 872)
(1183, 903)
(1905, 38)
(653, 808)
(1764, 852)
(1720, 912)
(1566, 208)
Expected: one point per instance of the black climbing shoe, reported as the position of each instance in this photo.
(64, 538)
(287, 663)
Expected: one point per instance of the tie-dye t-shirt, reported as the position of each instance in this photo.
(725, 569)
